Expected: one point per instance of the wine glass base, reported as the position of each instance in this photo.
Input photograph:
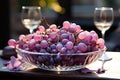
(105, 58)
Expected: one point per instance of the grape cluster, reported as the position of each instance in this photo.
(69, 39)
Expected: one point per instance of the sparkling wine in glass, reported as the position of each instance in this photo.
(103, 19)
(31, 17)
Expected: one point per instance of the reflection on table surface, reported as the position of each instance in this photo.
(112, 71)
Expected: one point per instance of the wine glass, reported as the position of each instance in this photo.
(103, 19)
(31, 17)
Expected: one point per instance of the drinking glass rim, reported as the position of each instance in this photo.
(34, 7)
(104, 8)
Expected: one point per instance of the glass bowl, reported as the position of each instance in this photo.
(59, 62)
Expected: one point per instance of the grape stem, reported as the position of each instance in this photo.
(46, 22)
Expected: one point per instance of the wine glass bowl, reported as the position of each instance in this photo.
(31, 17)
(103, 19)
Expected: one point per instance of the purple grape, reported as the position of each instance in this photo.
(55, 40)
(53, 46)
(41, 29)
(44, 44)
(59, 46)
(78, 28)
(49, 40)
(27, 49)
(88, 38)
(78, 52)
(31, 45)
(100, 70)
(34, 50)
(12, 59)
(69, 45)
(25, 46)
(89, 48)
(72, 38)
(42, 50)
(82, 47)
(45, 37)
(64, 36)
(53, 27)
(100, 43)
(38, 37)
(32, 42)
(75, 49)
(21, 43)
(48, 49)
(71, 62)
(92, 32)
(54, 51)
(72, 28)
(21, 37)
(37, 47)
(28, 37)
(70, 51)
(14, 64)
(63, 50)
(40, 59)
(81, 35)
(85, 41)
(94, 37)
(58, 57)
(53, 35)
(66, 24)
(12, 43)
(62, 31)
(64, 41)
(51, 61)
(93, 44)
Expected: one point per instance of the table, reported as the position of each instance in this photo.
(112, 73)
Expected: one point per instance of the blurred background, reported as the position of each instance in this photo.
(57, 11)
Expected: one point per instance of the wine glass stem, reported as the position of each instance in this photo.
(103, 62)
(103, 34)
(31, 31)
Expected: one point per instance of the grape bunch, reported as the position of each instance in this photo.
(69, 39)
